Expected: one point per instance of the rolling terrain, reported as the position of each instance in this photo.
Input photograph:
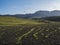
(37, 14)
(6, 20)
(52, 18)
(16, 31)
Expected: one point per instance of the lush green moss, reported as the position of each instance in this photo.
(4, 20)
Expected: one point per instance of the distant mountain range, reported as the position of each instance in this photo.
(38, 14)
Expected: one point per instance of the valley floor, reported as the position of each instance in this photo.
(35, 34)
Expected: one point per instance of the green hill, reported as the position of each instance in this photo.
(5, 20)
(28, 32)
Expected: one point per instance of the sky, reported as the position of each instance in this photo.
(27, 6)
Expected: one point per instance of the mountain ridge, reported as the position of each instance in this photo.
(37, 14)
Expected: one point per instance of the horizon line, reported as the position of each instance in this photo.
(30, 13)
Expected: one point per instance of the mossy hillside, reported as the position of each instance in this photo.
(5, 20)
